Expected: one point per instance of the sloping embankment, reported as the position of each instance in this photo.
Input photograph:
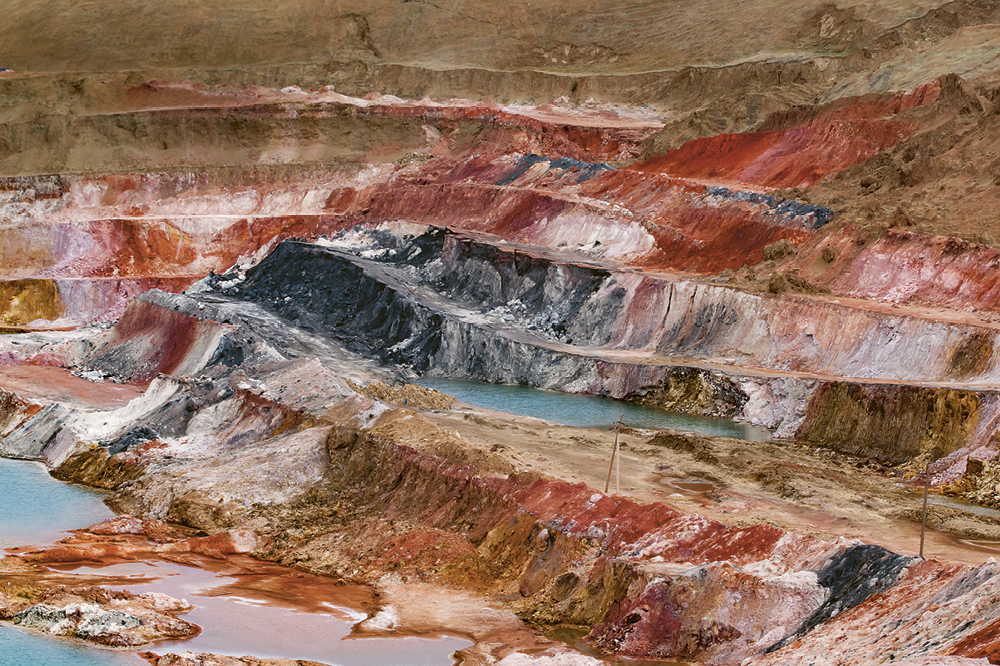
(462, 305)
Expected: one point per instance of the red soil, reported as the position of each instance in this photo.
(799, 157)
(799, 147)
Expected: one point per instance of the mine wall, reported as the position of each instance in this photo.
(224, 294)
(652, 220)
(649, 581)
(237, 131)
(447, 304)
(164, 138)
(645, 579)
(895, 424)
(627, 311)
(416, 299)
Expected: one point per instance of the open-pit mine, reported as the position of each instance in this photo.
(405, 333)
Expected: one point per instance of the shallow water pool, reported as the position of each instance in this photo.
(236, 619)
(36, 508)
(587, 411)
(265, 615)
(20, 647)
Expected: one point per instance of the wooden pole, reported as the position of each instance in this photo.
(614, 458)
(618, 458)
(611, 467)
(923, 522)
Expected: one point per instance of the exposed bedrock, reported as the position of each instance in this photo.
(462, 305)
(640, 219)
(650, 581)
(596, 310)
(35, 303)
(200, 447)
(262, 127)
(897, 424)
(232, 393)
(694, 391)
(901, 266)
(820, 142)
(118, 619)
(197, 387)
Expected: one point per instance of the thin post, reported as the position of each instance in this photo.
(618, 458)
(614, 458)
(923, 522)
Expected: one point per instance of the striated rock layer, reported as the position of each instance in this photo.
(756, 225)
(252, 367)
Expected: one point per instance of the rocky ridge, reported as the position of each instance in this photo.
(789, 227)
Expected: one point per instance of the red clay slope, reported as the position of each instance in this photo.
(826, 141)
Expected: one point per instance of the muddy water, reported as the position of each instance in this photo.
(276, 614)
(587, 411)
(689, 486)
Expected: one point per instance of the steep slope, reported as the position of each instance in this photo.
(775, 212)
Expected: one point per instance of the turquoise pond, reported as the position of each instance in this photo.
(36, 509)
(587, 411)
(24, 648)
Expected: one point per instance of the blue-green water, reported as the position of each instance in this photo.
(23, 648)
(35, 510)
(587, 411)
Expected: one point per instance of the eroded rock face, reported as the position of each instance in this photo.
(118, 619)
(457, 305)
(251, 431)
(668, 612)
(332, 246)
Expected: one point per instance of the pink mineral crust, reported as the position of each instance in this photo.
(42, 385)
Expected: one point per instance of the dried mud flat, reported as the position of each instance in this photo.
(792, 485)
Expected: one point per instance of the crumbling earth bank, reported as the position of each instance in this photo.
(365, 488)
(790, 227)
